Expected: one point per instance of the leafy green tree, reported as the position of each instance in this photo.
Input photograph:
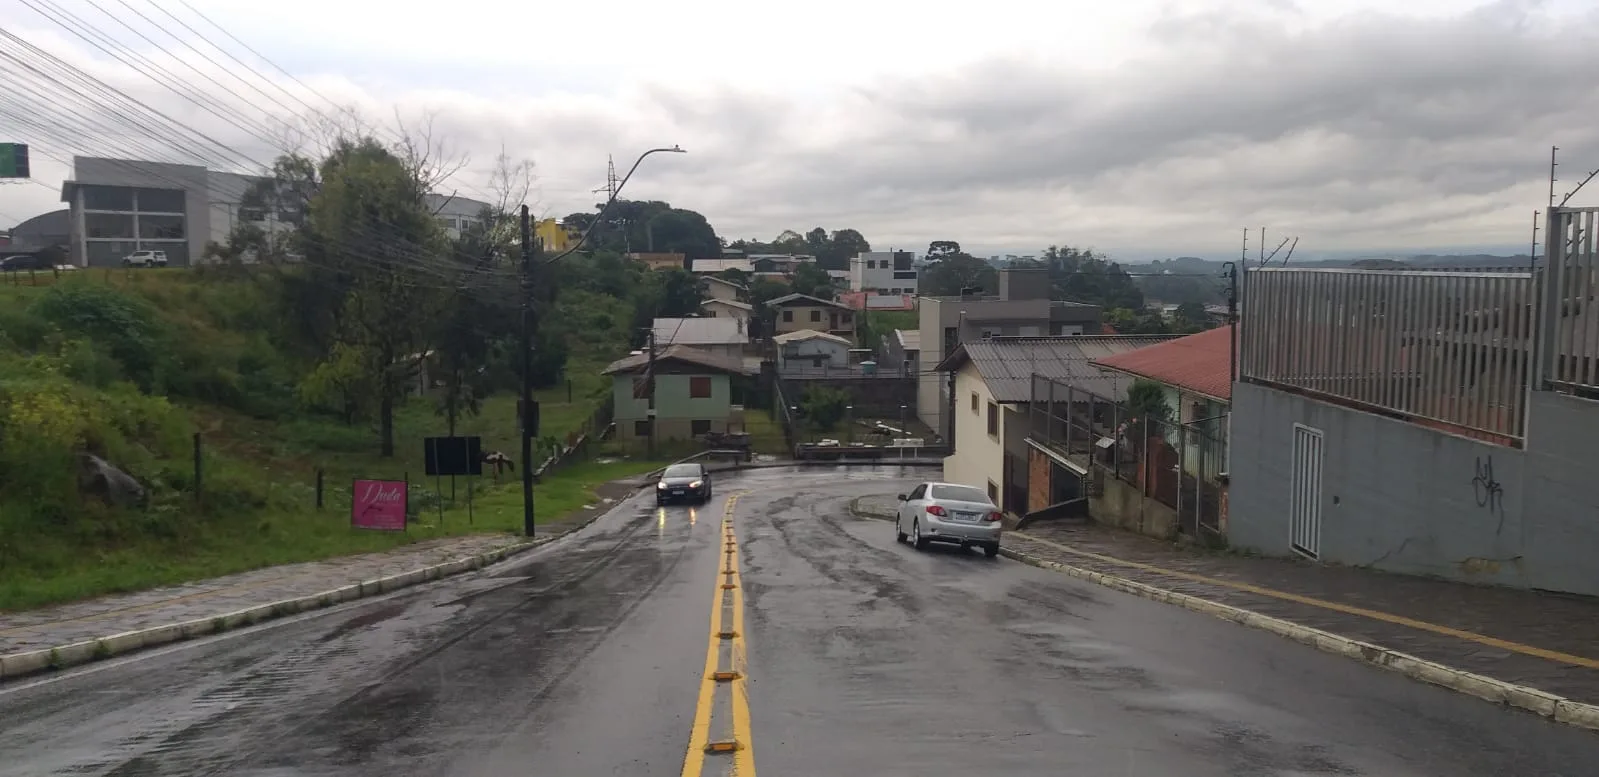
(1191, 317)
(812, 280)
(942, 249)
(369, 219)
(953, 273)
(823, 407)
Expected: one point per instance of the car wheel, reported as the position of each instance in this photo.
(991, 550)
(899, 535)
(917, 539)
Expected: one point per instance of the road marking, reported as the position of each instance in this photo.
(728, 595)
(1398, 620)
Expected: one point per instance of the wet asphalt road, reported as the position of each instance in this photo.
(865, 657)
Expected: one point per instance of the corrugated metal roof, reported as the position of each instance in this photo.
(638, 362)
(1007, 364)
(1201, 363)
(803, 299)
(699, 331)
(909, 339)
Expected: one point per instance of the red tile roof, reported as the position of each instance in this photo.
(1200, 363)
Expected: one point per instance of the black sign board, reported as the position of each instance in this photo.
(450, 456)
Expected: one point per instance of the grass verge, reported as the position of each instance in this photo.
(291, 536)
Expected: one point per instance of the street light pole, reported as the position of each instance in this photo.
(530, 252)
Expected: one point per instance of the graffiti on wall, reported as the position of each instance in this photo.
(1489, 493)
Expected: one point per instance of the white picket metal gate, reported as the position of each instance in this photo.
(1304, 531)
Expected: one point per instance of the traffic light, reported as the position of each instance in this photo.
(14, 160)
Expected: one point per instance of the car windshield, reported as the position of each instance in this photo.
(958, 494)
(682, 471)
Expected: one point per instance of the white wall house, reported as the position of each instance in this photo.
(978, 459)
(713, 287)
(726, 308)
(884, 272)
(810, 348)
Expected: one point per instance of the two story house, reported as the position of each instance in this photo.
(799, 311)
(693, 392)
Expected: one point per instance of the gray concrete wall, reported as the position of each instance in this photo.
(1404, 498)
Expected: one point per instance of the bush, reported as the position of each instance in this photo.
(130, 329)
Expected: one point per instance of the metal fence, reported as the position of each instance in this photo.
(1447, 348)
(1180, 465)
(1569, 347)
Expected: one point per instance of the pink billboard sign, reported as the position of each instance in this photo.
(378, 504)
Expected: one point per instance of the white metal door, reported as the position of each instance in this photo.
(1304, 531)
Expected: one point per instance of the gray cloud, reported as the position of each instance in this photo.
(1369, 132)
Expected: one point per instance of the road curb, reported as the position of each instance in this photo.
(1542, 703)
(15, 665)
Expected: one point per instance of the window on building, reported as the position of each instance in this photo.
(254, 215)
(699, 387)
(108, 225)
(699, 428)
(816, 315)
(160, 200)
(788, 316)
(871, 264)
(107, 198)
(974, 401)
(641, 428)
(993, 420)
(905, 276)
(993, 492)
(987, 333)
(845, 318)
(160, 227)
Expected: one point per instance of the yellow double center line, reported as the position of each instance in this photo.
(724, 695)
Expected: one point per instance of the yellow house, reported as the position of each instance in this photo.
(556, 236)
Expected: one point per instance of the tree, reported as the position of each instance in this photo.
(1083, 276)
(823, 407)
(939, 249)
(832, 251)
(954, 273)
(1146, 404)
(812, 280)
(369, 220)
(844, 245)
(1191, 317)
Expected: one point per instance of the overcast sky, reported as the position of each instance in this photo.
(1140, 128)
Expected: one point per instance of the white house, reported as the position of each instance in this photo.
(721, 288)
(726, 308)
(993, 387)
(810, 348)
(725, 337)
(890, 273)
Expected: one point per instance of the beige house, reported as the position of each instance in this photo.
(795, 312)
(726, 308)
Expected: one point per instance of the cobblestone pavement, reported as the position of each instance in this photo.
(1543, 640)
(104, 616)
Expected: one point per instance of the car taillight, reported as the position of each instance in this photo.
(936, 510)
(991, 517)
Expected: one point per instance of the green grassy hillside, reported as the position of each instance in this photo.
(131, 365)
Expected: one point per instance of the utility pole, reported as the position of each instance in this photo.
(1232, 321)
(1552, 151)
(649, 386)
(529, 414)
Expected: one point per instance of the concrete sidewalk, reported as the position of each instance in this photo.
(103, 626)
(1531, 639)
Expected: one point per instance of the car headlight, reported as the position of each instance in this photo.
(660, 484)
(696, 484)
